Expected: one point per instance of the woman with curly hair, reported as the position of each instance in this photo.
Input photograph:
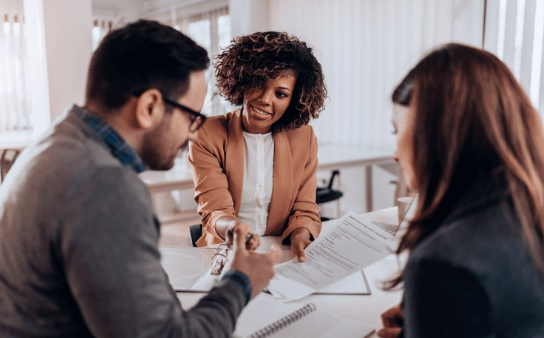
(255, 167)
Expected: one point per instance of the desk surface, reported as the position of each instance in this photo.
(180, 177)
(365, 309)
(16, 139)
(341, 156)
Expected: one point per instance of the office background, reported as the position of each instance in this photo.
(364, 46)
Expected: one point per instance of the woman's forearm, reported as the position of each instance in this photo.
(301, 232)
(222, 225)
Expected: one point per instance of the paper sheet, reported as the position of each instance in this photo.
(264, 310)
(351, 245)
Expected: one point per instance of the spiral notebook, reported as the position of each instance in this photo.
(266, 317)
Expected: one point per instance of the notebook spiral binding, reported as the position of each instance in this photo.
(281, 323)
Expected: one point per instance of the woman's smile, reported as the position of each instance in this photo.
(260, 111)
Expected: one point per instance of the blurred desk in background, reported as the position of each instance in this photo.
(16, 139)
(331, 157)
(337, 157)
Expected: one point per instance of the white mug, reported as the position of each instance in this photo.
(403, 203)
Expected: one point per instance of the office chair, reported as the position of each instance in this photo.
(324, 195)
(6, 161)
(195, 231)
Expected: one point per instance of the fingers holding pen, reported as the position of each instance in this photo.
(253, 241)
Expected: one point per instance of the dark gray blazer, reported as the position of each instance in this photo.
(473, 277)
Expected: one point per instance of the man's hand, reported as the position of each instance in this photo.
(392, 322)
(300, 239)
(259, 268)
(225, 227)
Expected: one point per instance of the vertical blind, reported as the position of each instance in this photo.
(102, 25)
(365, 48)
(211, 30)
(14, 112)
(515, 33)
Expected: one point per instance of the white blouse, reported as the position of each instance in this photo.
(258, 181)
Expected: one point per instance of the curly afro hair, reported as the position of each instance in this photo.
(254, 59)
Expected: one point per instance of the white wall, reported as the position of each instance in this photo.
(249, 16)
(365, 48)
(59, 33)
(15, 6)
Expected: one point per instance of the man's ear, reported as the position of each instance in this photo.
(149, 109)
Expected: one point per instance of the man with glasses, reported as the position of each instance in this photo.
(78, 234)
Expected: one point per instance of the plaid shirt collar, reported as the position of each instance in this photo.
(118, 146)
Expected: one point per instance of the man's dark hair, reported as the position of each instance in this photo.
(140, 56)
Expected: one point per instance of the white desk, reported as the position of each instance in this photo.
(365, 309)
(336, 157)
(16, 139)
(178, 178)
(331, 157)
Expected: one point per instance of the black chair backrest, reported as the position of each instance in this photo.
(196, 232)
(6, 161)
(334, 173)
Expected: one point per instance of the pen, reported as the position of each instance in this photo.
(249, 237)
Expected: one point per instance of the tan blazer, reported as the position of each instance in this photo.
(217, 158)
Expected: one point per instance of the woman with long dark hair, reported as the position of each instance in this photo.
(472, 146)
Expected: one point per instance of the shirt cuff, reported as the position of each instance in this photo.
(242, 280)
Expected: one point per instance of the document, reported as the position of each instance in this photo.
(351, 245)
(189, 269)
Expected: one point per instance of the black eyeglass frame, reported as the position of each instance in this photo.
(199, 119)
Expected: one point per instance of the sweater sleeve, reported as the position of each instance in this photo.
(441, 300)
(305, 211)
(112, 267)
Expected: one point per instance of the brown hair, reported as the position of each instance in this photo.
(471, 116)
(253, 59)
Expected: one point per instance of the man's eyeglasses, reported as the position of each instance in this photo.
(198, 118)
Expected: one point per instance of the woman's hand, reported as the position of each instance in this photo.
(259, 268)
(392, 322)
(226, 226)
(252, 244)
(300, 239)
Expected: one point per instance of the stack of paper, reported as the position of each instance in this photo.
(352, 244)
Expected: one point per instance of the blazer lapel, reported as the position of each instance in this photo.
(234, 159)
(282, 185)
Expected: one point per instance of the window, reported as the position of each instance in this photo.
(200, 31)
(515, 33)
(14, 112)
(101, 27)
(212, 31)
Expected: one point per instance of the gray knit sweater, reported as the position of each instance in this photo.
(78, 249)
